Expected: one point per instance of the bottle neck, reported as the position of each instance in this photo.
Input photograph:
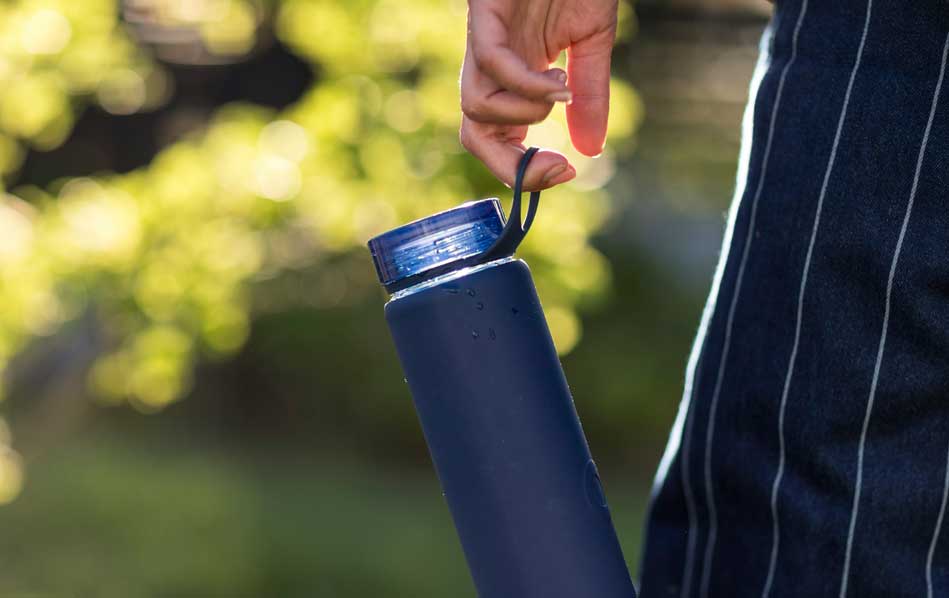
(447, 276)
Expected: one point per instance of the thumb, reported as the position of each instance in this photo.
(588, 69)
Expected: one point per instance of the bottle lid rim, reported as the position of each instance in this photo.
(437, 240)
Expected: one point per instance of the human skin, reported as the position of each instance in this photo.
(507, 83)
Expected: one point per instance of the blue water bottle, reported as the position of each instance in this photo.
(494, 405)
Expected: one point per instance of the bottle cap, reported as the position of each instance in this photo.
(436, 241)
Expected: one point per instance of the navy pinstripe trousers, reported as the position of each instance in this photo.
(810, 456)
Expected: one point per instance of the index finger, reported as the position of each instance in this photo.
(494, 57)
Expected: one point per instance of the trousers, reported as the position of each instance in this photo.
(810, 454)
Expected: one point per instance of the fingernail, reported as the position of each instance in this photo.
(559, 96)
(553, 173)
(562, 77)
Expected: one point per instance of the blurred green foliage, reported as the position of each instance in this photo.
(167, 260)
(56, 55)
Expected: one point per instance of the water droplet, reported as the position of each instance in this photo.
(479, 306)
(474, 334)
(492, 334)
(471, 292)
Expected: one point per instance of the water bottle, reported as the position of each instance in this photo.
(498, 417)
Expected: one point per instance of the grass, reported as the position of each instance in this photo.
(137, 518)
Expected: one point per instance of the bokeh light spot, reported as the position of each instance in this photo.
(16, 231)
(276, 178)
(45, 31)
(99, 222)
(31, 104)
(122, 92)
(234, 33)
(403, 112)
(285, 139)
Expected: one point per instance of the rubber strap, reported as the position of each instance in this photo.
(515, 229)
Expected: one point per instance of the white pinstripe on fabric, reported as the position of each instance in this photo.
(938, 528)
(782, 456)
(708, 557)
(686, 589)
(682, 429)
(939, 519)
(855, 509)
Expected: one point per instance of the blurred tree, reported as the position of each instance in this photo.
(165, 260)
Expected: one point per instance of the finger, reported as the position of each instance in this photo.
(488, 37)
(588, 66)
(505, 108)
(482, 100)
(500, 148)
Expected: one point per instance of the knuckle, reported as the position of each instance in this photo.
(472, 108)
(485, 110)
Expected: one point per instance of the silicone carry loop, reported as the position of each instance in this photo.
(515, 229)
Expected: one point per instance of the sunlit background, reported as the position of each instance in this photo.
(199, 397)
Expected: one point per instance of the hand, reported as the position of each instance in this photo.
(507, 83)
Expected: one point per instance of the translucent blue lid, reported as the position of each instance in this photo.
(436, 240)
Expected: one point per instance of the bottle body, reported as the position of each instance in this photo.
(505, 438)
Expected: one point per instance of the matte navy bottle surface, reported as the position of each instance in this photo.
(496, 411)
